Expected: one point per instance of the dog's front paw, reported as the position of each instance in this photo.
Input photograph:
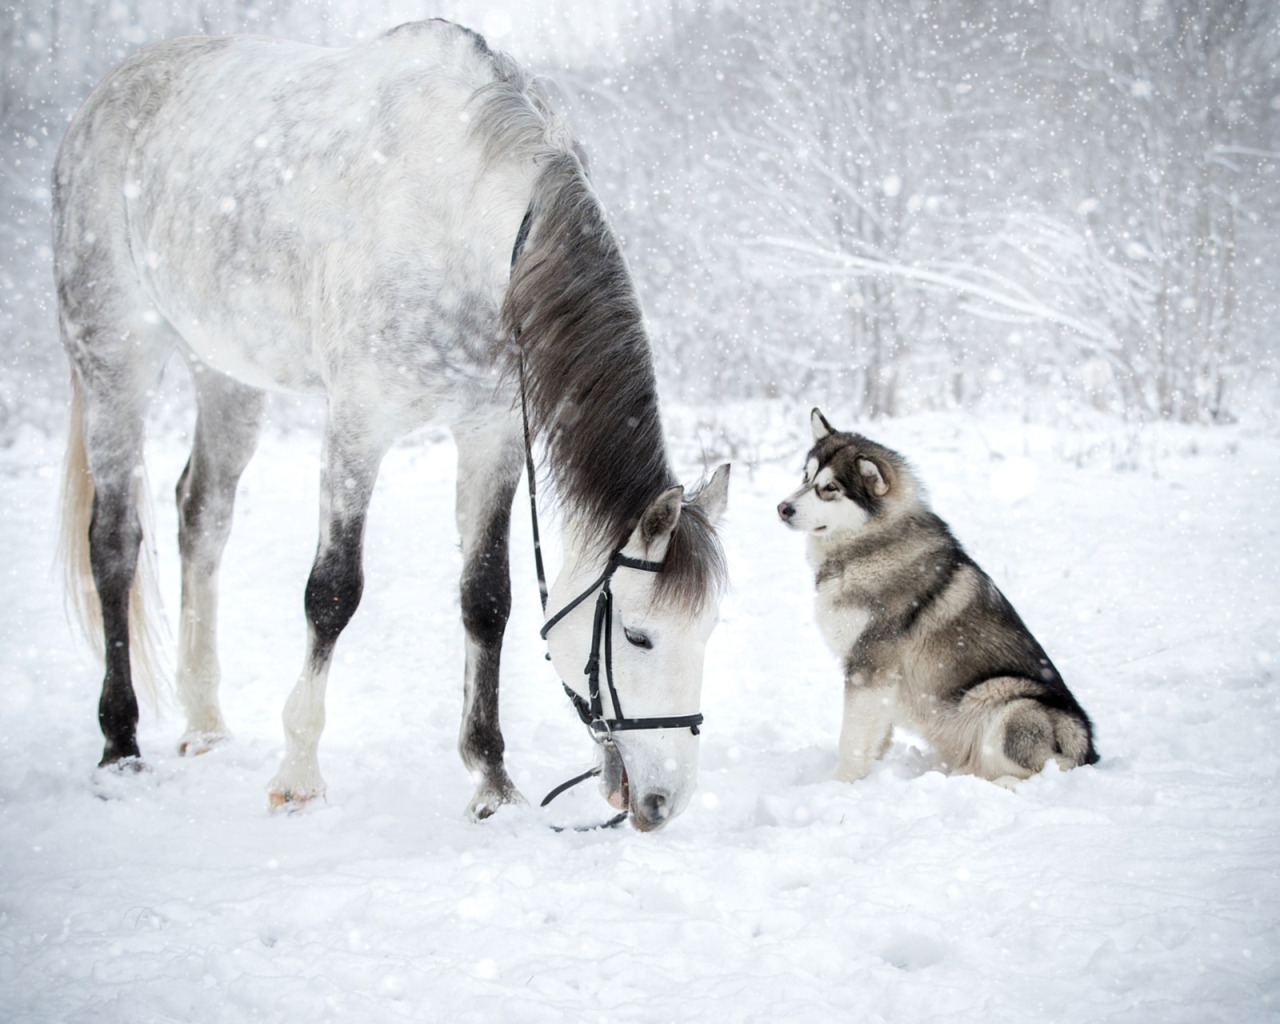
(851, 769)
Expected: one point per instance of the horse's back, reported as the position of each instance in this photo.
(220, 85)
(273, 201)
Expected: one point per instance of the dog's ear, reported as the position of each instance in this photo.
(821, 428)
(876, 475)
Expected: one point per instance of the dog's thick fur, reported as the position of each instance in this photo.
(925, 636)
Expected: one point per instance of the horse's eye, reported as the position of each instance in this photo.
(638, 639)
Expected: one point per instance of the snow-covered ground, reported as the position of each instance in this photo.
(1145, 888)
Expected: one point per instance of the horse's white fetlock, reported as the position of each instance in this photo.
(196, 742)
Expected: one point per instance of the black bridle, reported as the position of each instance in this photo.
(591, 708)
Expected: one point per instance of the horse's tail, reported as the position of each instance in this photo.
(146, 629)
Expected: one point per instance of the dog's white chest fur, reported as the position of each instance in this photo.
(840, 624)
(840, 621)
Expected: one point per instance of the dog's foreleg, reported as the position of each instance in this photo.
(866, 729)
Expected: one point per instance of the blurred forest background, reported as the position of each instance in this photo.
(1036, 207)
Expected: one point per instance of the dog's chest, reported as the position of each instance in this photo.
(840, 621)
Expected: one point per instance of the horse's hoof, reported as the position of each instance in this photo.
(290, 803)
(487, 801)
(193, 744)
(130, 765)
(109, 780)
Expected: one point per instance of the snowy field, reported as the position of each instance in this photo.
(1145, 888)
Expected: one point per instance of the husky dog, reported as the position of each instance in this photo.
(925, 636)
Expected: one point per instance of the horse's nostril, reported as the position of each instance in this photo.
(654, 809)
(786, 510)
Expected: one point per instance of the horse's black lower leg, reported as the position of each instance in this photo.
(334, 588)
(489, 463)
(114, 537)
(486, 605)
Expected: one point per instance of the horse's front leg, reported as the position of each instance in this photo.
(489, 462)
(333, 593)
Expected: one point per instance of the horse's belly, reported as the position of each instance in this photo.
(272, 360)
(234, 311)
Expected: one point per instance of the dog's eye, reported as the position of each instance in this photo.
(638, 639)
(831, 488)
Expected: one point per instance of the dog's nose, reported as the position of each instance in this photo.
(786, 510)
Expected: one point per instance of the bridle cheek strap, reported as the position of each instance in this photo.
(591, 708)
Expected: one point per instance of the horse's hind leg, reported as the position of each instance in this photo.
(115, 534)
(112, 422)
(489, 462)
(227, 428)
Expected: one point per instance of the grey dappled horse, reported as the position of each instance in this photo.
(397, 226)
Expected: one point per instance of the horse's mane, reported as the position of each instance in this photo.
(575, 322)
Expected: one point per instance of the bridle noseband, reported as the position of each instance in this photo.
(591, 709)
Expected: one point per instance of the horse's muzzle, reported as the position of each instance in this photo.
(651, 811)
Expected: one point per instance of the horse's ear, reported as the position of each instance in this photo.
(713, 498)
(652, 534)
(821, 428)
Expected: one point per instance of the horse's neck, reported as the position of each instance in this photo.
(605, 497)
(585, 551)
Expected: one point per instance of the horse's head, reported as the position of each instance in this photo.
(647, 621)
